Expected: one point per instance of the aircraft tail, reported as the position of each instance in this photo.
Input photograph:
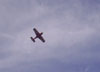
(32, 39)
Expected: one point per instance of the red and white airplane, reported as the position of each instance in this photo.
(38, 35)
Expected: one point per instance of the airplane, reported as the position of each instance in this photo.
(38, 35)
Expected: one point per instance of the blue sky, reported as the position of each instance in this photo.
(71, 30)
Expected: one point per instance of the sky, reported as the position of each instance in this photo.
(71, 30)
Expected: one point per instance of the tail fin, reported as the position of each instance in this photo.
(32, 39)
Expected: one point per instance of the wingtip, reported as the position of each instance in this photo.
(43, 41)
(34, 28)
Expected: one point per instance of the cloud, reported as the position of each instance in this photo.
(70, 31)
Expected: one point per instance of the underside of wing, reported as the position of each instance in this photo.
(36, 31)
(42, 39)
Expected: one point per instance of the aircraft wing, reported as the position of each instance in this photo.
(41, 38)
(36, 31)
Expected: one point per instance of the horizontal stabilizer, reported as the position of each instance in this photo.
(32, 39)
